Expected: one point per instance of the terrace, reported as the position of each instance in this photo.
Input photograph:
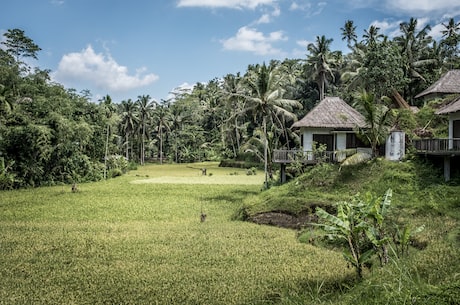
(438, 147)
(311, 157)
(284, 157)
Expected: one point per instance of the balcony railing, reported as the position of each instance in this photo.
(310, 157)
(438, 146)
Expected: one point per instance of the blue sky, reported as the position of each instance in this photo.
(130, 48)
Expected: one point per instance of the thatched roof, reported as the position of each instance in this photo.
(449, 83)
(332, 112)
(453, 106)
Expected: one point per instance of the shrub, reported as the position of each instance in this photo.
(117, 162)
(116, 172)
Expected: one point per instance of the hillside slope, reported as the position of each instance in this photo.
(429, 274)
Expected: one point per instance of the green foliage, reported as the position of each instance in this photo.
(403, 237)
(378, 119)
(382, 71)
(430, 124)
(19, 45)
(7, 179)
(420, 199)
(359, 223)
(320, 175)
(115, 172)
(117, 162)
(251, 171)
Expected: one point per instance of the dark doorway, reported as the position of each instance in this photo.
(325, 139)
(456, 131)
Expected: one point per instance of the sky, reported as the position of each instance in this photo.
(154, 47)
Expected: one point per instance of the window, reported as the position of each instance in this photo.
(353, 141)
(325, 139)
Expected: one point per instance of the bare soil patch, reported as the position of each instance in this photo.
(289, 220)
(283, 220)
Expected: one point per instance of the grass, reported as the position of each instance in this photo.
(431, 272)
(138, 239)
(124, 242)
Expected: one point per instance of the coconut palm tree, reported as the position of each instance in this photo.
(320, 62)
(233, 108)
(109, 109)
(377, 116)
(415, 49)
(265, 99)
(451, 38)
(145, 110)
(372, 36)
(349, 33)
(129, 121)
(163, 119)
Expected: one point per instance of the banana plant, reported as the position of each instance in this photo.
(359, 223)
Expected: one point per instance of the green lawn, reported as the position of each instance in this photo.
(138, 239)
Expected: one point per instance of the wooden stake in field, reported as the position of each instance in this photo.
(202, 215)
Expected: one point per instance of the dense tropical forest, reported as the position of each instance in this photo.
(50, 134)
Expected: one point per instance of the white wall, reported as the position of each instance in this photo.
(341, 143)
(308, 136)
(395, 146)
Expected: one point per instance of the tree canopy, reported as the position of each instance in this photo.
(50, 134)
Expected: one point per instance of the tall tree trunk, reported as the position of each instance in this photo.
(265, 151)
(321, 85)
(143, 145)
(106, 151)
(161, 145)
(127, 147)
(237, 135)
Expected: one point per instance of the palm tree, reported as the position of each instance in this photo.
(320, 62)
(451, 38)
(414, 45)
(163, 119)
(145, 109)
(108, 108)
(377, 117)
(349, 33)
(265, 99)
(129, 121)
(233, 108)
(372, 36)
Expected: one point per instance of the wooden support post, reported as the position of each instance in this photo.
(447, 168)
(283, 173)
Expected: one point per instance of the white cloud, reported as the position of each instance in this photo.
(276, 12)
(251, 40)
(436, 31)
(301, 53)
(236, 4)
(312, 10)
(423, 6)
(303, 43)
(299, 7)
(265, 18)
(101, 70)
(391, 29)
(57, 2)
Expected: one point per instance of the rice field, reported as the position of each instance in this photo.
(138, 239)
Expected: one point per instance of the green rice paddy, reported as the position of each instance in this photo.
(138, 239)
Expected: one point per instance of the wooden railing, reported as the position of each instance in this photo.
(309, 157)
(437, 146)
